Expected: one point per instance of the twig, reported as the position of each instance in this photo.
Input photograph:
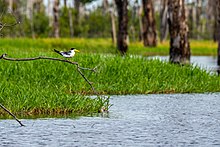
(11, 114)
(2, 25)
(78, 69)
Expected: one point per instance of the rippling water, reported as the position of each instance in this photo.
(142, 120)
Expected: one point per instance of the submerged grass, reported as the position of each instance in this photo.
(50, 87)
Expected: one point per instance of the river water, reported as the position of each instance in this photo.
(137, 120)
(141, 120)
(205, 62)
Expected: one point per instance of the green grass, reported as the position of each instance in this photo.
(99, 46)
(43, 87)
(53, 88)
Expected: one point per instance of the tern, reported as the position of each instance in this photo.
(68, 54)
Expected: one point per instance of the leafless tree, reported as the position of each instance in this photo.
(122, 40)
(56, 18)
(178, 28)
(163, 20)
(212, 18)
(149, 24)
(218, 23)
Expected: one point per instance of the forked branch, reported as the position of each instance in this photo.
(2, 25)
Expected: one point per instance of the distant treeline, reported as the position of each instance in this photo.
(73, 19)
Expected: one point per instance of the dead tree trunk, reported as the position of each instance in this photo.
(114, 38)
(77, 9)
(105, 6)
(218, 36)
(140, 22)
(178, 28)
(163, 21)
(10, 5)
(56, 19)
(71, 22)
(149, 24)
(198, 15)
(65, 3)
(113, 25)
(29, 14)
(213, 4)
(122, 40)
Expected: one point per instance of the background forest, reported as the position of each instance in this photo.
(93, 18)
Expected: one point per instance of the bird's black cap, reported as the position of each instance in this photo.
(72, 48)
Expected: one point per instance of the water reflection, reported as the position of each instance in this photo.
(142, 120)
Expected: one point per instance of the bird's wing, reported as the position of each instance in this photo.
(66, 53)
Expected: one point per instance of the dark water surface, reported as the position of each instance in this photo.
(142, 120)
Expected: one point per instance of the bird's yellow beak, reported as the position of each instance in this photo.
(76, 50)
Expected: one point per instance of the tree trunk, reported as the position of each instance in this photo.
(122, 41)
(56, 19)
(163, 21)
(149, 24)
(191, 20)
(49, 12)
(218, 36)
(29, 14)
(214, 13)
(71, 23)
(178, 28)
(211, 14)
(77, 7)
(198, 15)
(114, 38)
(10, 5)
(140, 22)
(105, 6)
(65, 5)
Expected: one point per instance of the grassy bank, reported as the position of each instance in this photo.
(39, 88)
(100, 46)
(47, 87)
(51, 87)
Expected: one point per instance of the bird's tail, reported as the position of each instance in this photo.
(56, 51)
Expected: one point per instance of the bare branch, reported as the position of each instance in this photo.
(2, 25)
(3, 56)
(78, 69)
(35, 58)
(11, 114)
(93, 69)
(11, 25)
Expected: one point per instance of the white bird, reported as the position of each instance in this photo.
(68, 54)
